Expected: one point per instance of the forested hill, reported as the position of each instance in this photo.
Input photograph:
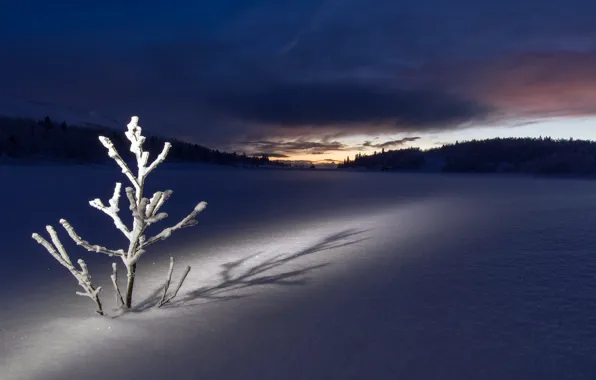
(28, 140)
(498, 155)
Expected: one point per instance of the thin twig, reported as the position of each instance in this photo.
(186, 271)
(114, 277)
(168, 281)
(164, 299)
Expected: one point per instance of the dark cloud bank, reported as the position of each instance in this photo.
(352, 106)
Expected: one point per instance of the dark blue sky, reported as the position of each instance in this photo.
(302, 77)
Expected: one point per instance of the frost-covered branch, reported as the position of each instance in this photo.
(164, 298)
(160, 158)
(132, 200)
(156, 218)
(59, 253)
(157, 200)
(113, 210)
(113, 153)
(136, 146)
(85, 244)
(188, 221)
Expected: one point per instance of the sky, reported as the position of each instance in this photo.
(311, 80)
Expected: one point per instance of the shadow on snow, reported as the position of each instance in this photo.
(256, 275)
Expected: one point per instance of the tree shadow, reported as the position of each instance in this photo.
(255, 275)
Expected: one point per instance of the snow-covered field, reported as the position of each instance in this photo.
(310, 275)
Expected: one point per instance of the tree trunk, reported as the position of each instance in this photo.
(131, 282)
(99, 307)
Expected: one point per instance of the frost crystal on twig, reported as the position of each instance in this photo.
(145, 212)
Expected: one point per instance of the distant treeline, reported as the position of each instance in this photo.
(28, 140)
(498, 155)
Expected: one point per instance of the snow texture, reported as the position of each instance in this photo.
(315, 275)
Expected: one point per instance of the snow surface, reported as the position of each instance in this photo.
(309, 275)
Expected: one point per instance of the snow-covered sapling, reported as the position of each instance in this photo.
(144, 214)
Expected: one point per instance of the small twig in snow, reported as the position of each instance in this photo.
(164, 299)
(168, 281)
(114, 277)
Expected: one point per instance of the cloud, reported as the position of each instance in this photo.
(391, 144)
(350, 105)
(235, 70)
(524, 123)
(441, 143)
(542, 84)
(294, 147)
(523, 84)
(272, 155)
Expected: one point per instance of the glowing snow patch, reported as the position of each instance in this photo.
(311, 253)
